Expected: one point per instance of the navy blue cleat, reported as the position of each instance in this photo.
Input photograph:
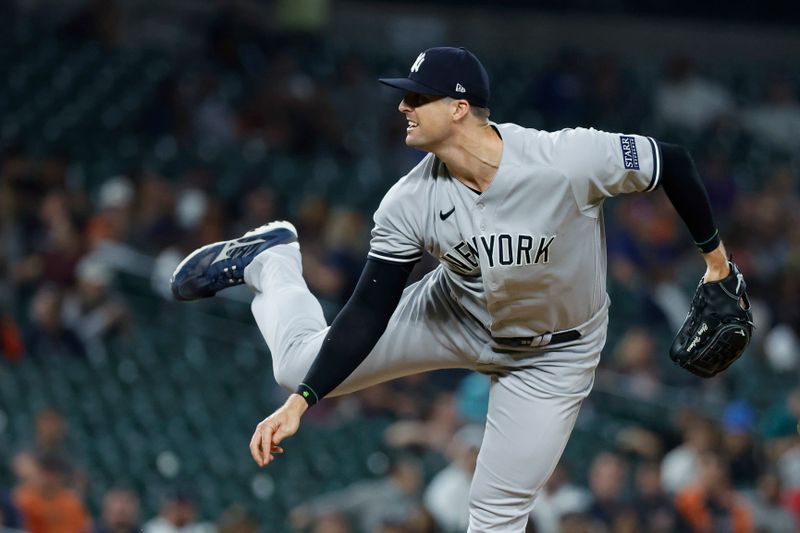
(217, 266)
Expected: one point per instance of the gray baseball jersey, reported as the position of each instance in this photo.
(527, 256)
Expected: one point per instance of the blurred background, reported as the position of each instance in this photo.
(133, 131)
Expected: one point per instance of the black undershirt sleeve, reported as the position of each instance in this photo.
(357, 327)
(688, 195)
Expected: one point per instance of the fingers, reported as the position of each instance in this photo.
(255, 445)
(261, 447)
(255, 452)
(267, 435)
(270, 432)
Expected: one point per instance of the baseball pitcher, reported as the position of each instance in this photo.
(515, 217)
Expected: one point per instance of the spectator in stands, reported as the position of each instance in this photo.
(737, 443)
(92, 310)
(689, 100)
(259, 205)
(9, 514)
(192, 204)
(49, 244)
(202, 218)
(634, 357)
(120, 512)
(421, 521)
(781, 343)
(765, 220)
(369, 502)
(238, 519)
(392, 526)
(576, 523)
(433, 431)
(46, 335)
(335, 260)
(312, 216)
(776, 121)
(558, 499)
(447, 495)
(472, 398)
(654, 508)
(641, 443)
(21, 193)
(778, 428)
(213, 119)
(25, 468)
(43, 235)
(178, 514)
(769, 512)
(345, 235)
(789, 291)
(12, 346)
(680, 466)
(283, 106)
(57, 249)
(332, 523)
(560, 92)
(353, 96)
(609, 507)
(711, 503)
(718, 177)
(45, 502)
(51, 432)
(111, 221)
(154, 224)
(62, 244)
(418, 522)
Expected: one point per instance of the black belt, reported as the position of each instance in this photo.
(535, 342)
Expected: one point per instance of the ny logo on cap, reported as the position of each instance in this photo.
(418, 62)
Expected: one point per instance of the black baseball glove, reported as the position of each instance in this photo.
(718, 327)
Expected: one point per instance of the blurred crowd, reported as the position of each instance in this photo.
(730, 462)
(49, 495)
(724, 475)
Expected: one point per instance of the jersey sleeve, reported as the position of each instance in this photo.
(396, 235)
(600, 164)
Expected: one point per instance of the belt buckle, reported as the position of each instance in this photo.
(537, 341)
(543, 340)
(533, 342)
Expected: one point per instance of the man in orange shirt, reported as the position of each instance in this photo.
(47, 505)
(711, 504)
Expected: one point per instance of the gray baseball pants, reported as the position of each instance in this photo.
(534, 397)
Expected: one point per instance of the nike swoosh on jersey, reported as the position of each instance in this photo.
(229, 250)
(444, 216)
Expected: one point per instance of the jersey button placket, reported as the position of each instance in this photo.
(480, 206)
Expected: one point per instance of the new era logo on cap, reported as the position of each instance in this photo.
(453, 72)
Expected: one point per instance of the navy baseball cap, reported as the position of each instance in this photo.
(446, 71)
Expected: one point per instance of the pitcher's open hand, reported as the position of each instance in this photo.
(272, 430)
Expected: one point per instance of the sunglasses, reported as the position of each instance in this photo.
(418, 100)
